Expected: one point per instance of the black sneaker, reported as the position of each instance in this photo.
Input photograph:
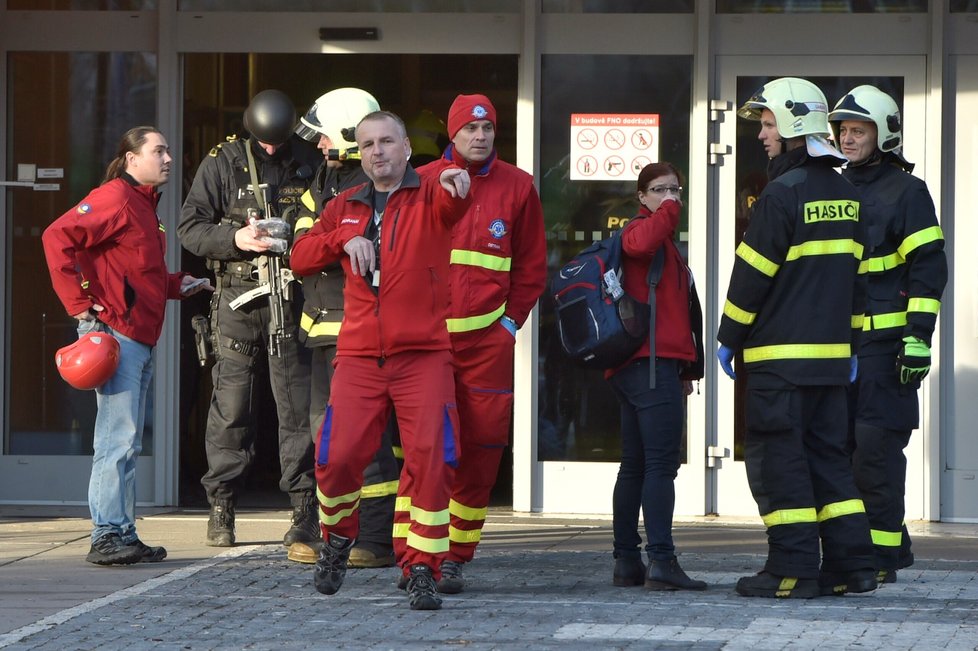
(629, 571)
(331, 566)
(220, 525)
(305, 522)
(421, 588)
(838, 584)
(110, 550)
(149, 554)
(765, 584)
(667, 575)
(451, 581)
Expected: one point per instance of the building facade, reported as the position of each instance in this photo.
(587, 91)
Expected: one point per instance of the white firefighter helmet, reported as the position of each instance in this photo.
(870, 104)
(336, 115)
(798, 106)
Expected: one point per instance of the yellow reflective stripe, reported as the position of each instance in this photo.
(467, 512)
(162, 229)
(303, 223)
(430, 545)
(824, 247)
(308, 324)
(398, 452)
(789, 516)
(787, 584)
(885, 262)
(857, 321)
(308, 201)
(737, 314)
(839, 509)
(330, 520)
(884, 321)
(429, 518)
(796, 351)
(464, 535)
(484, 260)
(928, 305)
(401, 529)
(921, 237)
(379, 490)
(84, 284)
(756, 260)
(329, 502)
(402, 503)
(863, 267)
(887, 538)
(477, 322)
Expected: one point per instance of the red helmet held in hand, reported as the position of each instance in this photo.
(89, 362)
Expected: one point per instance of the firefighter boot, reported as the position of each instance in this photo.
(667, 575)
(331, 566)
(765, 584)
(839, 583)
(451, 581)
(305, 521)
(220, 524)
(629, 570)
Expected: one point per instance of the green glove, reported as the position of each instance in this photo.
(913, 362)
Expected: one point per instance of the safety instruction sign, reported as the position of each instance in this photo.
(612, 146)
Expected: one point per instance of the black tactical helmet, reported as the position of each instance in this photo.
(270, 117)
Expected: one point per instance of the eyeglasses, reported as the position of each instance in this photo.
(662, 189)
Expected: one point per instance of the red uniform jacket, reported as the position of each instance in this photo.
(641, 239)
(409, 310)
(499, 252)
(109, 249)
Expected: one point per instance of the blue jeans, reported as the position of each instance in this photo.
(651, 434)
(118, 438)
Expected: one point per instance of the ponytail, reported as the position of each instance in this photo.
(132, 141)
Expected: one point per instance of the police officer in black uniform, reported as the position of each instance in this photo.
(331, 123)
(214, 225)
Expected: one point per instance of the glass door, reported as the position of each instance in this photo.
(742, 177)
(66, 113)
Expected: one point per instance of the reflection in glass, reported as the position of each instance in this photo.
(963, 6)
(578, 412)
(751, 179)
(357, 6)
(617, 7)
(821, 6)
(67, 111)
(83, 5)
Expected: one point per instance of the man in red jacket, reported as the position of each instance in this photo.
(498, 272)
(393, 236)
(107, 265)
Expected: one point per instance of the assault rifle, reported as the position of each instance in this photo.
(274, 281)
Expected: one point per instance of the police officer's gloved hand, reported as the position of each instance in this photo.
(913, 362)
(725, 356)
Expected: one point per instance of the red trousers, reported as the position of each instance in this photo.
(420, 386)
(484, 395)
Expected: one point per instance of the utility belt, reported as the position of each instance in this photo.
(234, 274)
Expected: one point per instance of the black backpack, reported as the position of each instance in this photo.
(599, 325)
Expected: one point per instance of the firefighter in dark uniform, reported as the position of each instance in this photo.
(906, 278)
(214, 225)
(331, 123)
(794, 310)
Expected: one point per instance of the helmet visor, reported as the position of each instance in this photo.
(309, 128)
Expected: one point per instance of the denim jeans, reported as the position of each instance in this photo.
(651, 433)
(118, 438)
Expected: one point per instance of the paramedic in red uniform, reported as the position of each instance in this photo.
(498, 272)
(393, 238)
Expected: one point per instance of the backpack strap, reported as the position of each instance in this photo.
(655, 274)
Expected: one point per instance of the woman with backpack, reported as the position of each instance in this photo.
(651, 398)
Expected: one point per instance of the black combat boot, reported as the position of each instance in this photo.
(331, 566)
(220, 526)
(629, 570)
(667, 575)
(305, 521)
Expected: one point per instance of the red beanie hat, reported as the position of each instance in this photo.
(467, 108)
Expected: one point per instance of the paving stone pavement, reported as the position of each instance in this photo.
(253, 598)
